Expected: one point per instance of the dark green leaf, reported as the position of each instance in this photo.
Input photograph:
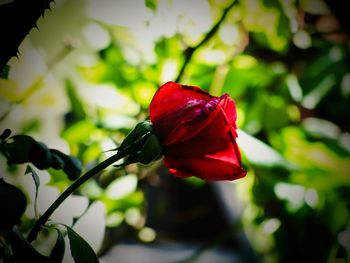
(71, 165)
(17, 150)
(40, 155)
(57, 162)
(81, 251)
(57, 252)
(20, 25)
(5, 134)
(5, 72)
(12, 204)
(23, 148)
(22, 250)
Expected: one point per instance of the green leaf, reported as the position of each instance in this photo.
(247, 74)
(5, 134)
(57, 252)
(274, 35)
(151, 4)
(35, 176)
(22, 149)
(80, 249)
(79, 132)
(4, 74)
(12, 205)
(71, 165)
(20, 27)
(57, 162)
(261, 154)
(22, 250)
(40, 155)
(283, 28)
(77, 112)
(18, 148)
(36, 180)
(321, 167)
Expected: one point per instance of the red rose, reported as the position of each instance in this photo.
(197, 132)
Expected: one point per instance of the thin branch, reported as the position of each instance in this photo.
(190, 50)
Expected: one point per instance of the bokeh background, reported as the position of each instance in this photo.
(87, 74)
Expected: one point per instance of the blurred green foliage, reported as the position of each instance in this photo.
(286, 64)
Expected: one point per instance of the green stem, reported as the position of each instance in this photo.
(42, 220)
(190, 50)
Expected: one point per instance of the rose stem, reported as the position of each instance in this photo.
(82, 179)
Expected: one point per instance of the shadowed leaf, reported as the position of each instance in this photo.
(12, 204)
(81, 251)
(57, 252)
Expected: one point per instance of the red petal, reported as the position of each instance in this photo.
(229, 108)
(213, 135)
(206, 168)
(212, 154)
(174, 105)
(172, 96)
(197, 132)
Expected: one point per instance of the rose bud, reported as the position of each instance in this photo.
(141, 145)
(197, 132)
(137, 136)
(151, 150)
